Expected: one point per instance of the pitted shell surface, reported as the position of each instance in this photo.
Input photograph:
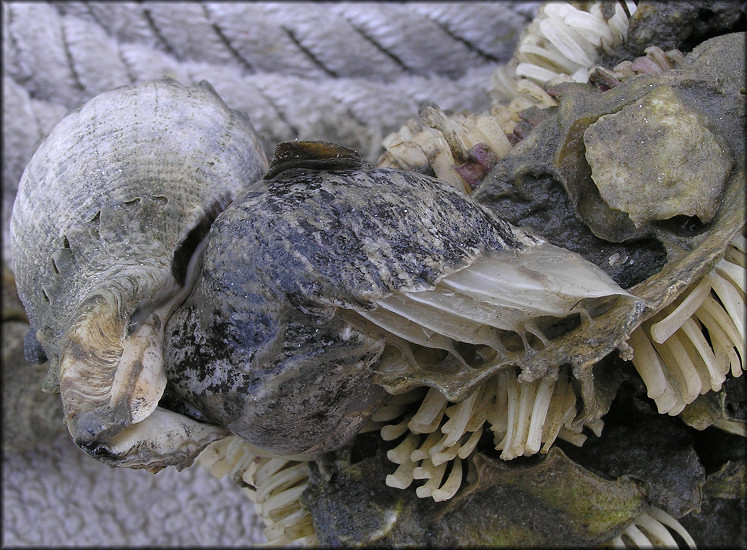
(258, 347)
(309, 276)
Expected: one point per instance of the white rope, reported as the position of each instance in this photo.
(68, 58)
(374, 40)
(62, 54)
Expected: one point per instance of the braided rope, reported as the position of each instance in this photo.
(375, 41)
(66, 60)
(69, 57)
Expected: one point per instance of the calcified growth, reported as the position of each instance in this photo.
(563, 43)
(436, 431)
(337, 298)
(274, 484)
(564, 39)
(524, 417)
(105, 237)
(652, 529)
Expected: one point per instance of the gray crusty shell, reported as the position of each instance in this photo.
(257, 346)
(308, 276)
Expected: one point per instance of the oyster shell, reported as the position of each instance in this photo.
(105, 228)
(326, 282)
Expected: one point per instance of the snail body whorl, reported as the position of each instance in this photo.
(272, 361)
(108, 213)
(310, 274)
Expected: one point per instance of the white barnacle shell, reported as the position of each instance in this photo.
(331, 279)
(109, 213)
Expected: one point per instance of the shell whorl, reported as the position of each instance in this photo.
(108, 212)
(312, 277)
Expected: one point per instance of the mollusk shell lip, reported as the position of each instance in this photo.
(105, 240)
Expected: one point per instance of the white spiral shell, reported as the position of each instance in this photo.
(108, 213)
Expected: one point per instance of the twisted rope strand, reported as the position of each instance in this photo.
(376, 41)
(80, 60)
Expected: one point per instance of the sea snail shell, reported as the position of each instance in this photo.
(312, 274)
(109, 211)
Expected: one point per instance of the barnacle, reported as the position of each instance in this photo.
(649, 529)
(655, 61)
(564, 39)
(525, 418)
(688, 347)
(274, 484)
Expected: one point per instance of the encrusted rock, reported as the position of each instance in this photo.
(656, 159)
(681, 24)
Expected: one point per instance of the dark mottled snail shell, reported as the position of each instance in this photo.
(109, 211)
(309, 276)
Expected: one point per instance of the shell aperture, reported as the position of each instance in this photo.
(309, 276)
(109, 211)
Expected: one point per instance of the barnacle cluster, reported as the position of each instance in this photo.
(273, 484)
(565, 39)
(563, 43)
(457, 149)
(689, 346)
(524, 417)
(650, 530)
